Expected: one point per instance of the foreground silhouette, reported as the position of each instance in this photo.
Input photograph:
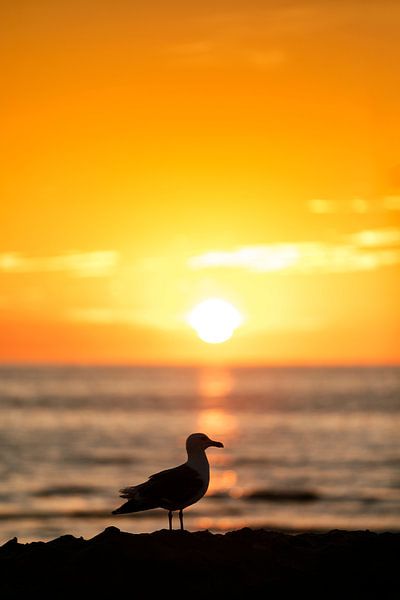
(173, 489)
(239, 564)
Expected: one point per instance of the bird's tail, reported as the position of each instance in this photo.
(134, 505)
(130, 492)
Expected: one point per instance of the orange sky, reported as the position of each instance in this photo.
(156, 154)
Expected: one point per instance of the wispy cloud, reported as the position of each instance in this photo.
(391, 203)
(324, 206)
(376, 237)
(217, 52)
(321, 206)
(273, 257)
(364, 250)
(79, 264)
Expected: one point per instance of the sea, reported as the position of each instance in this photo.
(306, 449)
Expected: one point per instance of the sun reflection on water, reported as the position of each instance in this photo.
(215, 419)
(215, 383)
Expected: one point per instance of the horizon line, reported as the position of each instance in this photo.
(197, 365)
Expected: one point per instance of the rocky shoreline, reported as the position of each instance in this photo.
(338, 564)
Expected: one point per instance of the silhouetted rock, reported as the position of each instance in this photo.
(243, 563)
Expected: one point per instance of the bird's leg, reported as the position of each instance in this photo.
(170, 519)
(181, 519)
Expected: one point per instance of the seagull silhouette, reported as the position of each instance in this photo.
(173, 489)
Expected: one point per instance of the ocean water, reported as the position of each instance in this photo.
(305, 448)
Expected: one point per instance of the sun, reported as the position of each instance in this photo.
(214, 320)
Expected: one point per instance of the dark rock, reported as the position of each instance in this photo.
(356, 564)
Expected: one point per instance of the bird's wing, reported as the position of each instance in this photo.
(177, 484)
(133, 490)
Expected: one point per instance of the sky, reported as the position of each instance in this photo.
(157, 154)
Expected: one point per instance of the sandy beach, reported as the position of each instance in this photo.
(246, 562)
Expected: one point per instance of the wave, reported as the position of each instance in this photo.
(106, 459)
(70, 490)
(290, 495)
(75, 514)
(268, 495)
(42, 515)
(282, 495)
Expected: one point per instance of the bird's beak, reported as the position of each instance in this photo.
(216, 444)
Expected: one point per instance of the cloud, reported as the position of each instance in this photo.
(391, 203)
(220, 52)
(376, 237)
(362, 251)
(323, 206)
(79, 264)
(359, 205)
(274, 257)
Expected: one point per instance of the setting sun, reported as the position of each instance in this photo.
(214, 320)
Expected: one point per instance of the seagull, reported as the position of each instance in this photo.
(173, 489)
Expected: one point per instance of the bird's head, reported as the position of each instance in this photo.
(200, 441)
